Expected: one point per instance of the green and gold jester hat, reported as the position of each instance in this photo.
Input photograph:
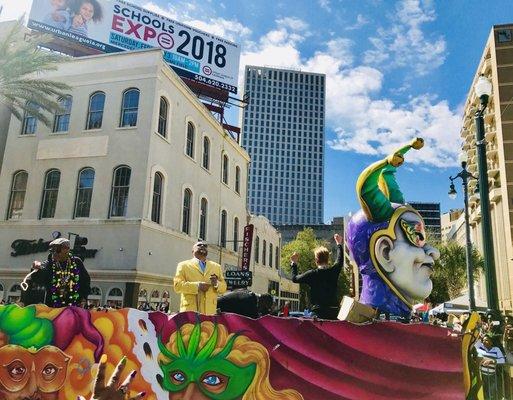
(382, 206)
(216, 377)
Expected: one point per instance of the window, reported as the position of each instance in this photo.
(186, 211)
(203, 219)
(225, 169)
(17, 198)
(224, 217)
(264, 250)
(237, 179)
(115, 298)
(162, 126)
(84, 193)
(206, 153)
(235, 234)
(29, 123)
(119, 191)
(50, 192)
(270, 255)
(95, 113)
(129, 108)
(189, 144)
(277, 257)
(157, 198)
(61, 121)
(257, 249)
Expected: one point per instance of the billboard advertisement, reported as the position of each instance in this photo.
(115, 25)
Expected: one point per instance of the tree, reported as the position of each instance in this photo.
(304, 245)
(21, 61)
(450, 274)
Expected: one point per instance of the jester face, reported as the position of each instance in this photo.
(26, 374)
(402, 257)
(199, 373)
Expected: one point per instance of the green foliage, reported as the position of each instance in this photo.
(304, 245)
(21, 62)
(450, 275)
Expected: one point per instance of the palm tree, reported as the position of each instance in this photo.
(21, 62)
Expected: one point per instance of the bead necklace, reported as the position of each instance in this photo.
(65, 284)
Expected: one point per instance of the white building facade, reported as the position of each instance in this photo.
(136, 164)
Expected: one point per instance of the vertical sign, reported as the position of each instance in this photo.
(246, 247)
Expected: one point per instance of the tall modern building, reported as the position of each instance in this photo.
(431, 214)
(283, 131)
(496, 64)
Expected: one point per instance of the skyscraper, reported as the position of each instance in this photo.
(283, 131)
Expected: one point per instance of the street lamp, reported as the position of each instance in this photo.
(483, 90)
(464, 175)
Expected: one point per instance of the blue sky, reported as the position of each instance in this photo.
(395, 70)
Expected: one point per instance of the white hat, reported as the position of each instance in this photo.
(60, 242)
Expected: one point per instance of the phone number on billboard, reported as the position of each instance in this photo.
(215, 83)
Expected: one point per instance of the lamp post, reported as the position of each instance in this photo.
(483, 90)
(464, 175)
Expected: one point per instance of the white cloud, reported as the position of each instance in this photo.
(364, 121)
(325, 4)
(360, 21)
(293, 23)
(404, 44)
(12, 9)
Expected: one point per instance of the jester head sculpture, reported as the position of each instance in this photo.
(387, 240)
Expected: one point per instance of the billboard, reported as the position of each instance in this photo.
(115, 25)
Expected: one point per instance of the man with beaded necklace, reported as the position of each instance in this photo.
(64, 277)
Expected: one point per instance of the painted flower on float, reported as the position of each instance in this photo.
(387, 240)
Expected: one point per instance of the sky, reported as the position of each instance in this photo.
(394, 70)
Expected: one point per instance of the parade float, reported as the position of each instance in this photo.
(56, 353)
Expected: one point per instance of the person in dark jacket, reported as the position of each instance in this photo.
(64, 278)
(245, 302)
(322, 280)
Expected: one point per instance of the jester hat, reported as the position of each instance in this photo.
(382, 205)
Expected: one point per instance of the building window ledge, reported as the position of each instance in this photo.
(164, 138)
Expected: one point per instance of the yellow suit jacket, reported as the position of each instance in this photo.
(188, 275)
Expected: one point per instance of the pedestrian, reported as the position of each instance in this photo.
(286, 309)
(63, 277)
(199, 281)
(322, 280)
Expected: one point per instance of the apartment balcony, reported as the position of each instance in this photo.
(490, 133)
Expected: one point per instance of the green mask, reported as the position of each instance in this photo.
(216, 377)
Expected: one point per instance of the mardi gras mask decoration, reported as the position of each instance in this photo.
(387, 239)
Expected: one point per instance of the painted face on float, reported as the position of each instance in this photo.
(388, 240)
(407, 261)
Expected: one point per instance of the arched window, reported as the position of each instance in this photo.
(129, 108)
(156, 204)
(119, 191)
(17, 198)
(225, 169)
(84, 193)
(165, 294)
(163, 108)
(257, 249)
(29, 124)
(235, 234)
(14, 294)
(115, 297)
(155, 294)
(203, 219)
(96, 291)
(264, 252)
(186, 211)
(61, 120)
(1, 292)
(189, 143)
(271, 255)
(95, 297)
(237, 179)
(224, 217)
(206, 153)
(143, 294)
(95, 112)
(50, 192)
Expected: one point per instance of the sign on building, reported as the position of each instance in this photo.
(238, 279)
(246, 246)
(115, 25)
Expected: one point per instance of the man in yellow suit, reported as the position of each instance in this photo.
(199, 282)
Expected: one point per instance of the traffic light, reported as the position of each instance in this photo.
(79, 249)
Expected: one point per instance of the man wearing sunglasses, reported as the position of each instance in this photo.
(199, 281)
(64, 278)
